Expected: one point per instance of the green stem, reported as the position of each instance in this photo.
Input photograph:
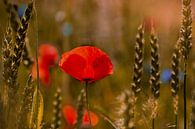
(184, 95)
(87, 102)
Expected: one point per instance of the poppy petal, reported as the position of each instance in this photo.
(94, 119)
(73, 64)
(70, 114)
(44, 74)
(49, 54)
(86, 63)
(102, 67)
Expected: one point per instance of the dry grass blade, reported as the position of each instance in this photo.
(37, 108)
(57, 110)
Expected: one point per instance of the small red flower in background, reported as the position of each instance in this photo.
(86, 63)
(44, 74)
(49, 54)
(70, 115)
(149, 24)
(94, 119)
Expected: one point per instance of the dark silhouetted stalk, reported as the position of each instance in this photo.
(185, 95)
(186, 45)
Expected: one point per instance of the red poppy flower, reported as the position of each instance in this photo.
(49, 54)
(44, 74)
(86, 63)
(70, 114)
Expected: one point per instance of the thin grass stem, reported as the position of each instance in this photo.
(185, 95)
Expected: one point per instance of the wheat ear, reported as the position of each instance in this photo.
(186, 44)
(57, 110)
(125, 111)
(138, 64)
(155, 75)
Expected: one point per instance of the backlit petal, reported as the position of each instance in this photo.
(70, 114)
(86, 63)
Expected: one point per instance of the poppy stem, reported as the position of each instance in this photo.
(87, 103)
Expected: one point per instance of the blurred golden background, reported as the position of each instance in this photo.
(112, 26)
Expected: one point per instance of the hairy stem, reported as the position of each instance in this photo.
(87, 103)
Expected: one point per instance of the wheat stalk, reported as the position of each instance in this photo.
(6, 51)
(138, 64)
(125, 112)
(128, 98)
(12, 55)
(175, 70)
(57, 110)
(155, 75)
(175, 79)
(186, 45)
(186, 29)
(21, 35)
(12, 13)
(80, 108)
(26, 104)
